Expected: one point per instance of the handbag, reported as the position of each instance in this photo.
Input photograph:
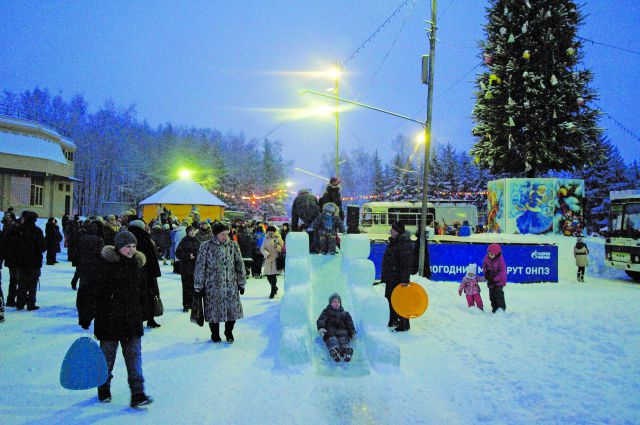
(158, 309)
(197, 311)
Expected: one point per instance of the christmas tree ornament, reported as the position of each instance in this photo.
(580, 101)
(525, 74)
(526, 2)
(554, 80)
(494, 78)
(526, 55)
(483, 86)
(487, 58)
(510, 101)
(526, 104)
(488, 95)
(525, 26)
(503, 30)
(571, 51)
(511, 122)
(548, 14)
(512, 38)
(555, 116)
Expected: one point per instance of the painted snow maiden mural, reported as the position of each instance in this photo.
(536, 217)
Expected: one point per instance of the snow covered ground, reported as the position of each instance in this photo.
(563, 353)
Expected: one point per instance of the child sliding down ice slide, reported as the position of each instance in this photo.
(335, 326)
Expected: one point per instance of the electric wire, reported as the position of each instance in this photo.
(619, 124)
(635, 52)
(374, 34)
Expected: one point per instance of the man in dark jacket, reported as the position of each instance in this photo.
(187, 253)
(305, 207)
(30, 245)
(9, 241)
(118, 292)
(151, 268)
(332, 194)
(88, 260)
(247, 247)
(397, 264)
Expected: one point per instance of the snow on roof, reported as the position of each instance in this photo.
(184, 192)
(34, 147)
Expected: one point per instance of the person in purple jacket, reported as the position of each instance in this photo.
(471, 286)
(495, 272)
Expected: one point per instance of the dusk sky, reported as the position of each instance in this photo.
(235, 66)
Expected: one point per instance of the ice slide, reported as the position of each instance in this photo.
(309, 281)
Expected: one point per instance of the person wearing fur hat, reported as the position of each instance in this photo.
(581, 254)
(471, 288)
(151, 267)
(327, 225)
(118, 292)
(495, 272)
(332, 194)
(219, 280)
(397, 265)
(335, 326)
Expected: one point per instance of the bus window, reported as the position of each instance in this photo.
(615, 221)
(632, 220)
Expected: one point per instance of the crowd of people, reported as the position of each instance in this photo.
(117, 266)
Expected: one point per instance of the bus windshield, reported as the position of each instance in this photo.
(625, 220)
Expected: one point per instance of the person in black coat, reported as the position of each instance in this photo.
(53, 237)
(151, 268)
(187, 253)
(118, 292)
(397, 265)
(29, 245)
(89, 258)
(9, 241)
(332, 194)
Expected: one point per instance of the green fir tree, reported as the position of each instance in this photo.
(534, 109)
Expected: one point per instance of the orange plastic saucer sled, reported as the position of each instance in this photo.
(409, 300)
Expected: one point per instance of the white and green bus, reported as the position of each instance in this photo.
(622, 246)
(376, 217)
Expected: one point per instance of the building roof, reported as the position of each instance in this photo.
(30, 146)
(184, 192)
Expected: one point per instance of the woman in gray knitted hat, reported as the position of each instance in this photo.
(117, 303)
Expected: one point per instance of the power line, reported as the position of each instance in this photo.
(446, 9)
(619, 124)
(384, 59)
(635, 52)
(457, 81)
(375, 33)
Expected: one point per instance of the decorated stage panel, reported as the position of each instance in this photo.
(536, 206)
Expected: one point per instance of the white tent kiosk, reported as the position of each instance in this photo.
(180, 197)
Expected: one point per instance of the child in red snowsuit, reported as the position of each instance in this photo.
(471, 287)
(495, 272)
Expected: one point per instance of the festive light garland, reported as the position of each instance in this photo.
(277, 193)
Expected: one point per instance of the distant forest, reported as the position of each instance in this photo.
(121, 158)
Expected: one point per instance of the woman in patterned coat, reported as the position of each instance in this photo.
(219, 278)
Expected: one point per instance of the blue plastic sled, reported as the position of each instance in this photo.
(84, 366)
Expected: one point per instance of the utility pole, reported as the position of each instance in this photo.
(427, 135)
(337, 72)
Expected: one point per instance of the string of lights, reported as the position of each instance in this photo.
(635, 52)
(374, 34)
(619, 124)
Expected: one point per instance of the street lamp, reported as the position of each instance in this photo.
(334, 72)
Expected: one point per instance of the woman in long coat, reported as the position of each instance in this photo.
(220, 278)
(270, 249)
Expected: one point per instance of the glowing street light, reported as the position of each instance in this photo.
(185, 173)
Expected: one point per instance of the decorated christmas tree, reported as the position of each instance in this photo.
(534, 109)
